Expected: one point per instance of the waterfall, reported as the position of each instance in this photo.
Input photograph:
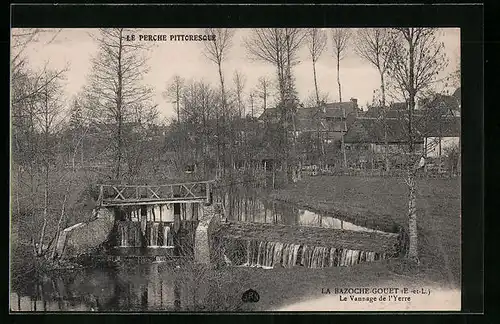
(278, 251)
(166, 235)
(136, 237)
(271, 254)
(153, 234)
(123, 230)
(157, 213)
(143, 225)
(150, 214)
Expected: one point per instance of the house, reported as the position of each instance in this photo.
(441, 135)
(337, 118)
(372, 134)
(369, 139)
(445, 105)
(329, 119)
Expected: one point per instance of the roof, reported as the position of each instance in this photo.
(398, 106)
(307, 119)
(440, 101)
(329, 110)
(337, 109)
(444, 127)
(375, 112)
(371, 130)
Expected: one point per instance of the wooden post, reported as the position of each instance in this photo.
(208, 192)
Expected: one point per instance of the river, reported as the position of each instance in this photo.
(176, 285)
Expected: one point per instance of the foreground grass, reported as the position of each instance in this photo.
(381, 203)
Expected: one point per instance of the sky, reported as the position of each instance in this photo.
(74, 47)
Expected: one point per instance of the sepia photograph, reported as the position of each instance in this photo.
(235, 169)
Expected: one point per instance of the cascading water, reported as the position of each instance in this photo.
(153, 234)
(167, 240)
(270, 254)
(123, 234)
(129, 234)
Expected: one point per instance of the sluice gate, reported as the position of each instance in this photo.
(141, 220)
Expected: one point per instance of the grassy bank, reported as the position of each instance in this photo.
(382, 202)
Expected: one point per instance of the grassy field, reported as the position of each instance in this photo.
(382, 202)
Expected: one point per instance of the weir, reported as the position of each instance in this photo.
(380, 242)
(144, 220)
(274, 254)
(183, 222)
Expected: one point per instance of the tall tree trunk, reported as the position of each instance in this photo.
(59, 226)
(343, 113)
(46, 162)
(315, 83)
(412, 211)
(322, 146)
(412, 216)
(224, 135)
(119, 111)
(265, 97)
(45, 210)
(338, 77)
(177, 102)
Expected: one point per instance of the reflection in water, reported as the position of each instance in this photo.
(143, 287)
(247, 207)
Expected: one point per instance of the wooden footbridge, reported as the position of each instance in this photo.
(128, 195)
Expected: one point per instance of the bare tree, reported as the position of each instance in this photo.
(36, 116)
(316, 43)
(340, 39)
(374, 45)
(239, 83)
(50, 110)
(216, 51)
(116, 87)
(201, 109)
(415, 62)
(311, 100)
(174, 92)
(279, 47)
(251, 99)
(21, 39)
(263, 90)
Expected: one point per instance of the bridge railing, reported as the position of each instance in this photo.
(117, 193)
